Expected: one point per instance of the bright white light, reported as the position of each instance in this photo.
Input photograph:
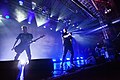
(0, 17)
(67, 58)
(51, 15)
(44, 26)
(77, 27)
(56, 30)
(33, 5)
(78, 58)
(60, 59)
(20, 15)
(29, 22)
(59, 18)
(53, 60)
(81, 57)
(78, 62)
(50, 28)
(20, 2)
(40, 20)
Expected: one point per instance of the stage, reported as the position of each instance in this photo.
(38, 36)
(45, 69)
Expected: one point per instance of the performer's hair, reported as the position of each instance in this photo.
(65, 29)
(24, 26)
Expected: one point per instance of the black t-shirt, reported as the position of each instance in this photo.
(67, 41)
(25, 37)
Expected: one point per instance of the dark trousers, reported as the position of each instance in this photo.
(27, 49)
(66, 49)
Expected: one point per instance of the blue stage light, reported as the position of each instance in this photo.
(7, 17)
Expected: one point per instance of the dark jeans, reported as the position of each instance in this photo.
(27, 49)
(66, 49)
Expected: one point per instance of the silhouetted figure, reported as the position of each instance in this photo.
(67, 46)
(25, 39)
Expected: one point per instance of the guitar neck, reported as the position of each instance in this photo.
(36, 39)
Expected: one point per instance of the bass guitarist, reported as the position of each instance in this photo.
(25, 39)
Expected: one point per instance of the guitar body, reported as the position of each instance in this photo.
(20, 48)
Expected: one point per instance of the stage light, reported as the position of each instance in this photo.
(20, 2)
(7, 17)
(67, 58)
(77, 27)
(20, 15)
(51, 29)
(104, 26)
(80, 28)
(30, 17)
(54, 60)
(73, 25)
(60, 59)
(82, 61)
(40, 20)
(33, 5)
(0, 17)
(69, 23)
(56, 30)
(29, 22)
(44, 26)
(51, 15)
(81, 57)
(78, 62)
(78, 58)
(59, 18)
